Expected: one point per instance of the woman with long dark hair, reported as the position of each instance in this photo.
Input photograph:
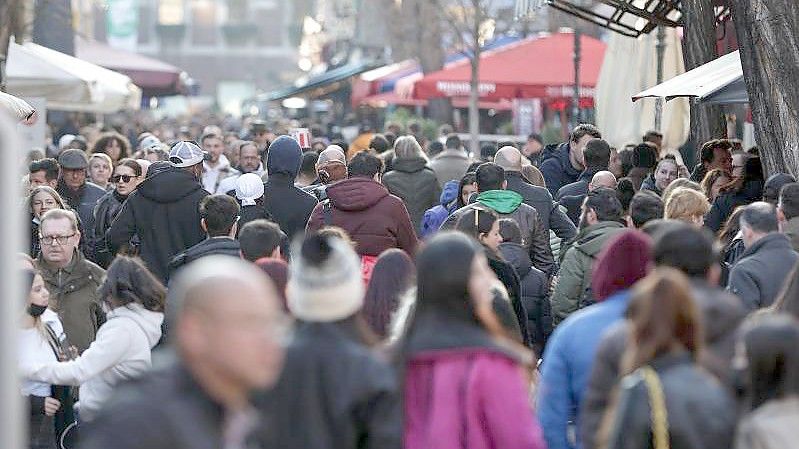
(768, 356)
(666, 400)
(392, 277)
(464, 378)
(483, 225)
(122, 349)
(115, 145)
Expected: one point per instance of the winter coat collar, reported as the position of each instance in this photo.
(771, 241)
(452, 153)
(222, 166)
(168, 185)
(592, 239)
(411, 165)
(502, 201)
(76, 266)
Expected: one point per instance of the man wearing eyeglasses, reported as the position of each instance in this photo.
(71, 279)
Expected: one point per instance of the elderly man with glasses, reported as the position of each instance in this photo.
(71, 278)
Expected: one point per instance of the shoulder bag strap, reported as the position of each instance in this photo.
(657, 403)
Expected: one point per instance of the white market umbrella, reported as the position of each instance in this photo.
(68, 83)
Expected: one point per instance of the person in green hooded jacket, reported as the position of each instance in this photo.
(492, 193)
(601, 219)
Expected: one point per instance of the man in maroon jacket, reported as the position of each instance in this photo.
(374, 219)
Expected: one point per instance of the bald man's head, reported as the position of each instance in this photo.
(602, 179)
(509, 158)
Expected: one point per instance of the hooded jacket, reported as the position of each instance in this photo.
(374, 219)
(557, 169)
(538, 197)
(450, 165)
(573, 289)
(120, 352)
(436, 215)
(416, 185)
(164, 211)
(211, 246)
(73, 296)
(288, 205)
(508, 204)
(534, 293)
(760, 273)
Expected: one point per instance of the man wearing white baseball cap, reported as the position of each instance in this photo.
(164, 210)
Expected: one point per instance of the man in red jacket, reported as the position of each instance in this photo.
(374, 219)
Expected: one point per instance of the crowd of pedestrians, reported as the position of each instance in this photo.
(240, 291)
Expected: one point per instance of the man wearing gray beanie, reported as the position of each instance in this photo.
(333, 392)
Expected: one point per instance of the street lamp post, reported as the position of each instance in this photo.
(660, 50)
(576, 90)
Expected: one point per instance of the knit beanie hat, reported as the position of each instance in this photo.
(249, 188)
(284, 156)
(626, 259)
(325, 282)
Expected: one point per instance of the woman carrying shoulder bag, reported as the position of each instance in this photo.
(667, 401)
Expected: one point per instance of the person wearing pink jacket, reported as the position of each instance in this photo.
(465, 381)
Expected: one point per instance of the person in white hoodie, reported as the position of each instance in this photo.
(134, 301)
(216, 166)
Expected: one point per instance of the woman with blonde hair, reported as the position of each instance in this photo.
(665, 399)
(412, 180)
(686, 205)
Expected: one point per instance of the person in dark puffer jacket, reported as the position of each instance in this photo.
(164, 210)
(533, 282)
(290, 206)
(412, 180)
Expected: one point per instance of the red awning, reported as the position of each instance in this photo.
(387, 98)
(541, 67)
(154, 77)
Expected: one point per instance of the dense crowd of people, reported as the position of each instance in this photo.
(226, 288)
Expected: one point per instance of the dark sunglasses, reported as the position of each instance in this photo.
(123, 178)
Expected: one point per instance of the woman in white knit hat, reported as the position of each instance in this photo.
(250, 194)
(334, 391)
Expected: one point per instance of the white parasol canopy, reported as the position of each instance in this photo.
(718, 82)
(68, 83)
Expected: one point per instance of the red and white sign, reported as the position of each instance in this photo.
(302, 136)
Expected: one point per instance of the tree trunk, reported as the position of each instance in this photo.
(768, 35)
(420, 37)
(699, 47)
